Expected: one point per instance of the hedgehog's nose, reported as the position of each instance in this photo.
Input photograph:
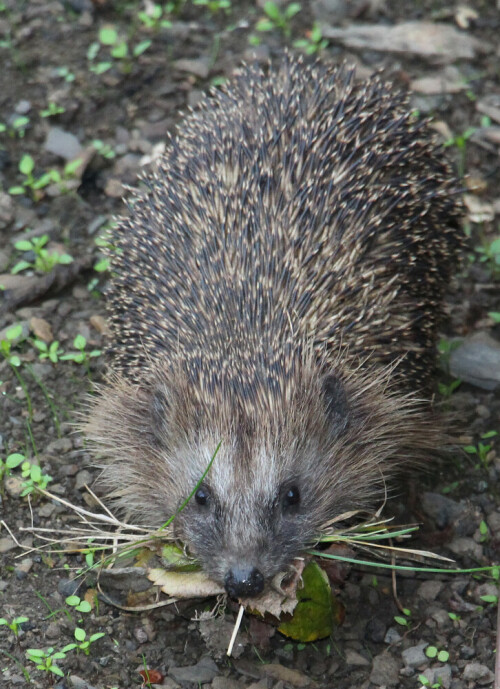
(241, 582)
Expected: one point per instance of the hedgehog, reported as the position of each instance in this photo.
(278, 285)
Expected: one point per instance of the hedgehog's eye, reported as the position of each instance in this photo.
(202, 496)
(291, 498)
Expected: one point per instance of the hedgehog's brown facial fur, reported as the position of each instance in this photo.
(285, 466)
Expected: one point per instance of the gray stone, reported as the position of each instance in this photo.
(392, 636)
(430, 590)
(478, 673)
(415, 656)
(477, 361)
(200, 68)
(385, 671)
(226, 683)
(466, 546)
(23, 107)
(432, 40)
(354, 658)
(62, 144)
(204, 671)
(439, 674)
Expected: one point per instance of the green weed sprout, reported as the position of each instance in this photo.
(84, 642)
(277, 18)
(489, 253)
(314, 41)
(155, 17)
(118, 49)
(481, 450)
(51, 352)
(14, 625)
(26, 168)
(44, 261)
(51, 110)
(12, 337)
(214, 6)
(81, 356)
(46, 660)
(33, 477)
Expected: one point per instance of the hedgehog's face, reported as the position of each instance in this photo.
(247, 523)
(262, 502)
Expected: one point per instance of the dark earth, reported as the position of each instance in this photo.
(63, 99)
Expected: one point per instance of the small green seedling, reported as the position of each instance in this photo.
(46, 659)
(483, 531)
(84, 642)
(14, 625)
(277, 18)
(492, 600)
(214, 6)
(17, 127)
(44, 261)
(52, 110)
(26, 168)
(103, 149)
(490, 254)
(78, 604)
(495, 316)
(426, 683)
(13, 336)
(433, 652)
(460, 141)
(447, 389)
(482, 450)
(66, 74)
(11, 462)
(80, 356)
(118, 49)
(51, 351)
(154, 17)
(314, 41)
(404, 621)
(33, 477)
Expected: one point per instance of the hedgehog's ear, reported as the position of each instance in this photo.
(336, 403)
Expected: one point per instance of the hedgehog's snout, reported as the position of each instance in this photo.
(243, 582)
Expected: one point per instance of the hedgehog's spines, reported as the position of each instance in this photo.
(300, 230)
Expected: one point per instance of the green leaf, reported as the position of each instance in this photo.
(141, 48)
(14, 333)
(272, 11)
(16, 191)
(431, 651)
(84, 606)
(80, 634)
(26, 165)
(94, 637)
(108, 35)
(72, 600)
(120, 50)
(292, 10)
(14, 460)
(79, 342)
(24, 245)
(65, 259)
(317, 610)
(443, 656)
(401, 620)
